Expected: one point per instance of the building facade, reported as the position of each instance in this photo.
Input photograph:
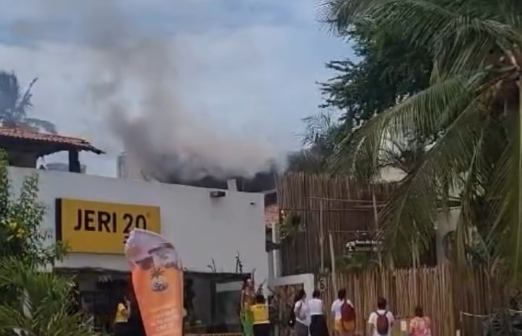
(201, 227)
(210, 229)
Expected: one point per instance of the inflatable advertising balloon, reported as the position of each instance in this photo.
(157, 277)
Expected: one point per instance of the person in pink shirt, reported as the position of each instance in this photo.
(420, 325)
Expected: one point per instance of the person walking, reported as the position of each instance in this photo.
(381, 320)
(318, 326)
(260, 316)
(344, 314)
(302, 314)
(247, 300)
(121, 319)
(420, 325)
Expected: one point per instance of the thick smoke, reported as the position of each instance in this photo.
(163, 136)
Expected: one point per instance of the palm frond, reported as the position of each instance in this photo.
(411, 215)
(454, 34)
(43, 302)
(507, 229)
(427, 112)
(25, 100)
(9, 95)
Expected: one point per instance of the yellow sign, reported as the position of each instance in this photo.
(99, 227)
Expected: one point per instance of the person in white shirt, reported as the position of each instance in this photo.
(318, 325)
(381, 320)
(340, 328)
(302, 314)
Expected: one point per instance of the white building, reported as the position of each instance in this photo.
(207, 229)
(200, 226)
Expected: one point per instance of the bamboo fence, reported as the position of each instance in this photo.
(441, 292)
(346, 207)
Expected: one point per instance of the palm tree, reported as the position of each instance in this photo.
(14, 105)
(473, 106)
(321, 134)
(42, 305)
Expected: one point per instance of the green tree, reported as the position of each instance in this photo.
(43, 304)
(33, 302)
(387, 71)
(14, 104)
(21, 217)
(473, 104)
(21, 234)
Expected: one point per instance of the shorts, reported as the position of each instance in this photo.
(261, 329)
(343, 326)
(300, 329)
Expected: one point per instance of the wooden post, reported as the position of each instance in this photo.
(321, 235)
(376, 220)
(416, 262)
(74, 161)
(379, 254)
(332, 258)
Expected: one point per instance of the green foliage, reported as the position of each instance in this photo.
(14, 105)
(388, 71)
(321, 135)
(472, 105)
(21, 217)
(43, 302)
(34, 301)
(357, 261)
(290, 225)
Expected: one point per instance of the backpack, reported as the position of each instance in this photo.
(382, 324)
(347, 312)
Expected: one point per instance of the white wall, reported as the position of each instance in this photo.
(445, 224)
(390, 174)
(200, 228)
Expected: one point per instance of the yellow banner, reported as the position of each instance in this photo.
(157, 278)
(101, 227)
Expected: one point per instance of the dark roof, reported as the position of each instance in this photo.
(262, 182)
(50, 139)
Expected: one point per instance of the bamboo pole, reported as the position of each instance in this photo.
(321, 234)
(332, 258)
(379, 254)
(415, 266)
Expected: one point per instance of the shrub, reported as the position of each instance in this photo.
(21, 234)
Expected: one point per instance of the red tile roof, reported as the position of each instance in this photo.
(20, 133)
(271, 214)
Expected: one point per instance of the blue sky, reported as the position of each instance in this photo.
(249, 66)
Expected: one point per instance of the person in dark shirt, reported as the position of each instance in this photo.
(135, 324)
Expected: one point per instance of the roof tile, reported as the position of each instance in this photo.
(26, 134)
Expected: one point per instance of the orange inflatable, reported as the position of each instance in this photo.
(157, 278)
